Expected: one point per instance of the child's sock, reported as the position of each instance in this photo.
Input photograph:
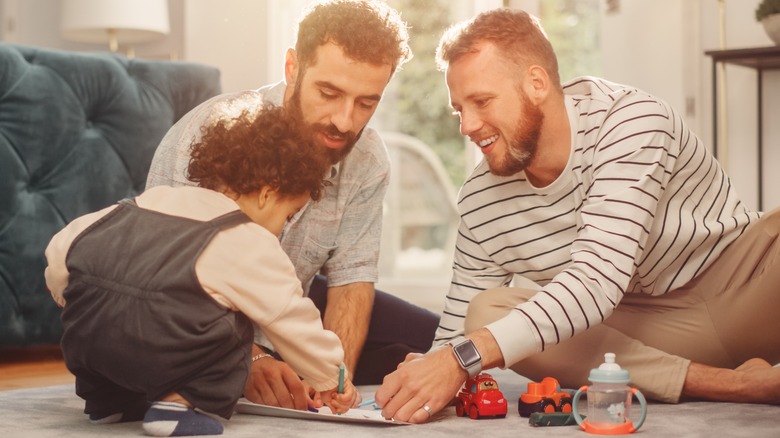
(131, 413)
(175, 419)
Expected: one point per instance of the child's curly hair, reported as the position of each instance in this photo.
(267, 148)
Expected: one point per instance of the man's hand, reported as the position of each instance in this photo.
(274, 383)
(409, 357)
(431, 380)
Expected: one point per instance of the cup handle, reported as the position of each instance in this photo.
(574, 403)
(643, 405)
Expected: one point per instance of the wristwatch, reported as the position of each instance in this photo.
(467, 355)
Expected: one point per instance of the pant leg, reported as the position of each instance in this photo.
(101, 396)
(397, 328)
(659, 375)
(217, 387)
(745, 311)
(726, 315)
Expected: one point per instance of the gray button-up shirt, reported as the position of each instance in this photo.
(337, 236)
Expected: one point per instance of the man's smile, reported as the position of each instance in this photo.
(485, 144)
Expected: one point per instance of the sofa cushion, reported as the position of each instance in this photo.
(77, 133)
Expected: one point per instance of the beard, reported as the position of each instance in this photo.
(521, 148)
(335, 155)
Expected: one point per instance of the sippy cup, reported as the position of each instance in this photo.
(609, 401)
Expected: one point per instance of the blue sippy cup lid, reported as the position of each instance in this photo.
(609, 371)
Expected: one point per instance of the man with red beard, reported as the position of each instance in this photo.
(633, 236)
(345, 55)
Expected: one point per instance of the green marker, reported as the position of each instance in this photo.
(341, 379)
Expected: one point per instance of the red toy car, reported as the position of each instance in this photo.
(480, 397)
(544, 397)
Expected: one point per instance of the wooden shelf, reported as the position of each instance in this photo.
(759, 59)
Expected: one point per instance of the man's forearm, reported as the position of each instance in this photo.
(348, 313)
(488, 348)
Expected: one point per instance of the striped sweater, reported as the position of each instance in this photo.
(642, 207)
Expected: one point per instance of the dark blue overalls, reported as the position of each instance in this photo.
(137, 323)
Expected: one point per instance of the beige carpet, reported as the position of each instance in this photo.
(57, 412)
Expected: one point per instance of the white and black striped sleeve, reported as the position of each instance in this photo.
(473, 272)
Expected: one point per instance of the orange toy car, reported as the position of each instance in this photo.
(545, 396)
(480, 397)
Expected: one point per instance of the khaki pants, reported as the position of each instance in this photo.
(726, 315)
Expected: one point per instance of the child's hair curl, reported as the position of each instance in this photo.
(268, 148)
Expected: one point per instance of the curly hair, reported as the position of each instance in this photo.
(517, 34)
(367, 30)
(254, 150)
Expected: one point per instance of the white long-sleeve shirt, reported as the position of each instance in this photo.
(642, 207)
(244, 269)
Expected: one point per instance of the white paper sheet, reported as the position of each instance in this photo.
(364, 416)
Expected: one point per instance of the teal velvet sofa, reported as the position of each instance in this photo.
(77, 133)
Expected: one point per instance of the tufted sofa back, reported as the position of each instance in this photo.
(77, 133)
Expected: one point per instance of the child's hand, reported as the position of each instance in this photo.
(313, 398)
(340, 403)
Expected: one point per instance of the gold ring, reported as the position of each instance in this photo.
(427, 409)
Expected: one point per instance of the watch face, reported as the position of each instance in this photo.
(467, 353)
